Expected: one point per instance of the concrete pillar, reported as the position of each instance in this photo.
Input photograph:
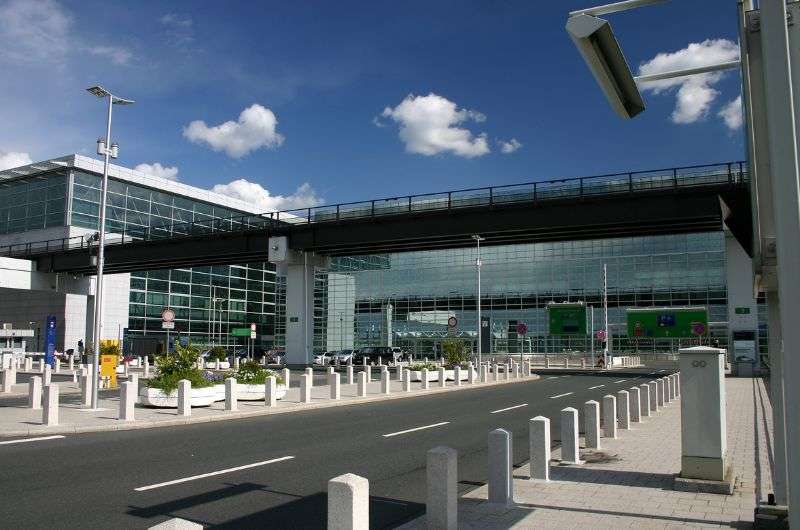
(609, 416)
(368, 372)
(546, 361)
(271, 391)
(636, 404)
(127, 401)
(134, 378)
(406, 380)
(47, 375)
(306, 383)
(362, 384)
(441, 509)
(310, 371)
(28, 364)
(623, 410)
(653, 396)
(496, 372)
(58, 364)
(583, 363)
(286, 376)
(35, 392)
(778, 395)
(71, 363)
(9, 379)
(566, 362)
(569, 436)
(330, 370)
(591, 424)
(146, 372)
(457, 375)
(471, 374)
(442, 377)
(425, 383)
(539, 440)
(660, 392)
(350, 379)
(333, 381)
(400, 373)
(670, 392)
(501, 483)
(231, 401)
(50, 412)
(86, 386)
(348, 502)
(42, 364)
(236, 363)
(386, 384)
(507, 371)
(184, 397)
(678, 383)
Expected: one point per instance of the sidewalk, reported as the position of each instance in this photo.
(628, 483)
(18, 421)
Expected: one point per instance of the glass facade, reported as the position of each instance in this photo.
(32, 203)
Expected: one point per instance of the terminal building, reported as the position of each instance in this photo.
(400, 299)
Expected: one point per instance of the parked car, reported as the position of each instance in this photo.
(322, 359)
(344, 356)
(373, 355)
(400, 354)
(275, 356)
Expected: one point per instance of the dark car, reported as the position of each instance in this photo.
(373, 355)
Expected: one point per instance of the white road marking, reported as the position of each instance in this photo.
(620, 381)
(39, 439)
(661, 371)
(212, 474)
(554, 377)
(562, 395)
(598, 386)
(509, 408)
(416, 429)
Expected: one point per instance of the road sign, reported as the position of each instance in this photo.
(252, 331)
(600, 334)
(452, 322)
(167, 325)
(167, 315)
(522, 328)
(240, 332)
(667, 322)
(566, 318)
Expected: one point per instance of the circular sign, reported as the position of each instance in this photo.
(600, 334)
(698, 328)
(168, 315)
(452, 322)
(522, 328)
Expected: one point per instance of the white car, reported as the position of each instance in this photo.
(321, 359)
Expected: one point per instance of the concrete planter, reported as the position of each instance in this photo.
(255, 392)
(155, 397)
(450, 375)
(433, 375)
(212, 365)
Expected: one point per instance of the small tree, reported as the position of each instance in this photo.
(455, 352)
(218, 353)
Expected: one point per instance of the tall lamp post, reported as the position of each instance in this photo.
(107, 149)
(478, 240)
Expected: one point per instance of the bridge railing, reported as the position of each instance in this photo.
(531, 192)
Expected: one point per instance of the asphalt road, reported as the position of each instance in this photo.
(91, 480)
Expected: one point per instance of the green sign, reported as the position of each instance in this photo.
(742, 310)
(667, 322)
(240, 332)
(566, 318)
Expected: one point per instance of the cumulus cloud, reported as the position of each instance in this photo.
(34, 30)
(731, 113)
(429, 125)
(115, 54)
(12, 159)
(254, 193)
(510, 146)
(256, 128)
(157, 170)
(695, 94)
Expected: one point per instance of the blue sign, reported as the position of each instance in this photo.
(50, 341)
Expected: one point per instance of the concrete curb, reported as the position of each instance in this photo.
(266, 411)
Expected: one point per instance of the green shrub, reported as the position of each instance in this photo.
(455, 352)
(252, 373)
(416, 367)
(176, 365)
(218, 353)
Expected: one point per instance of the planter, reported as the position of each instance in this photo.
(416, 375)
(451, 374)
(199, 397)
(256, 392)
(212, 365)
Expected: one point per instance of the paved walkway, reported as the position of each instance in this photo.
(628, 483)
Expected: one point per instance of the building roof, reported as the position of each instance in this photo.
(92, 165)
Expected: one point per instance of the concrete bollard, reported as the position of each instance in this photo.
(583, 363)
(28, 364)
(670, 392)
(400, 373)
(286, 376)
(58, 364)
(546, 361)
(368, 371)
(496, 372)
(507, 372)
(50, 410)
(333, 381)
(310, 372)
(457, 375)
(566, 362)
(86, 386)
(569, 436)
(184, 397)
(271, 391)
(236, 363)
(127, 401)
(330, 370)
(350, 379)
(425, 383)
(47, 375)
(539, 441)
(146, 372)
(501, 482)
(35, 392)
(678, 384)
(623, 410)
(362, 384)
(406, 380)
(470, 374)
(126, 369)
(660, 392)
(442, 377)
(667, 391)
(636, 405)
(441, 508)
(134, 378)
(591, 424)
(348, 502)
(386, 384)
(653, 396)
(306, 383)
(42, 364)
(484, 378)
(609, 416)
(9, 380)
(645, 400)
(231, 401)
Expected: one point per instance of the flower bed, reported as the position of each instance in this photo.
(198, 397)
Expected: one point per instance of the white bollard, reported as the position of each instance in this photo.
(660, 392)
(670, 392)
(50, 412)
(236, 363)
(441, 508)
(134, 378)
(667, 390)
(368, 371)
(184, 397)
(47, 375)
(9, 380)
(350, 380)
(609, 416)
(484, 374)
(645, 400)
(501, 482)
(457, 375)
(583, 363)
(678, 384)
(28, 364)
(623, 410)
(507, 372)
(310, 372)
(127, 401)
(146, 372)
(591, 424)
(496, 372)
(231, 401)
(287, 374)
(35, 392)
(546, 361)
(653, 396)
(386, 384)
(42, 364)
(442, 377)
(271, 391)
(86, 386)
(406, 380)
(126, 369)
(566, 362)
(539, 440)
(570, 452)
(471, 374)
(348, 502)
(424, 376)
(331, 370)
(362, 384)
(58, 364)
(306, 383)
(636, 405)
(333, 381)
(399, 372)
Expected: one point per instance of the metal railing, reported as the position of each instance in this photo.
(533, 193)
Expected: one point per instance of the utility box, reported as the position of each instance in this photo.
(278, 250)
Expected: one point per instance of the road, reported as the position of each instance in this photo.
(277, 467)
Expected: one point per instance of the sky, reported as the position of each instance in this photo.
(294, 104)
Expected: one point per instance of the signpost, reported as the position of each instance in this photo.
(167, 322)
(567, 318)
(50, 341)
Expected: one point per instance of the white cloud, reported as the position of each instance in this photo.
(14, 159)
(178, 28)
(254, 193)
(157, 170)
(428, 126)
(34, 30)
(731, 113)
(510, 146)
(116, 54)
(695, 94)
(256, 128)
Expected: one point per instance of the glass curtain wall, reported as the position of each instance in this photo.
(32, 203)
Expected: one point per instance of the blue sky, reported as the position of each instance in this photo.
(330, 81)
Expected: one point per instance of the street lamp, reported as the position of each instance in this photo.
(107, 149)
(478, 240)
